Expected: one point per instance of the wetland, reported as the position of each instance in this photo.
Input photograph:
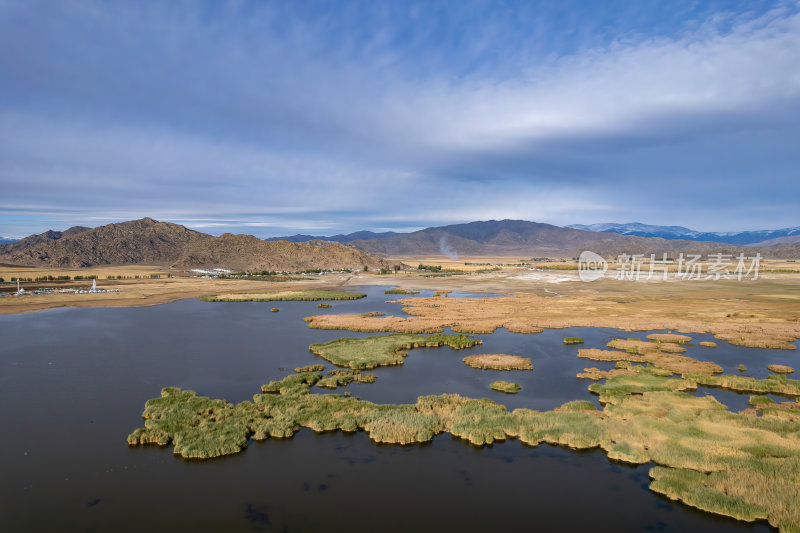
(141, 351)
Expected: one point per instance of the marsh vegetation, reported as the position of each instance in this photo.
(388, 350)
(733, 464)
(400, 291)
(498, 361)
(505, 386)
(309, 295)
(780, 369)
(674, 363)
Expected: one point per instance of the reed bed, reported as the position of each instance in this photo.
(675, 363)
(388, 350)
(638, 346)
(530, 312)
(310, 368)
(498, 361)
(670, 337)
(400, 291)
(341, 378)
(780, 369)
(774, 384)
(505, 386)
(638, 380)
(733, 464)
(573, 340)
(310, 295)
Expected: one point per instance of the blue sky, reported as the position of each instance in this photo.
(274, 118)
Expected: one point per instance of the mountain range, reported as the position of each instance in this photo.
(760, 238)
(147, 241)
(355, 236)
(150, 242)
(529, 239)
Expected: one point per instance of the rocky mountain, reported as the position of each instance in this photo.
(46, 237)
(679, 232)
(358, 235)
(529, 239)
(151, 242)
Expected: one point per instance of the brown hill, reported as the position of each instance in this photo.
(533, 239)
(245, 252)
(148, 241)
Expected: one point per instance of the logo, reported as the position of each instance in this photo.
(591, 266)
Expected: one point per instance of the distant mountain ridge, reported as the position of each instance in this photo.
(529, 239)
(679, 232)
(358, 235)
(150, 242)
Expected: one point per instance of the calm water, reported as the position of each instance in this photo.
(74, 381)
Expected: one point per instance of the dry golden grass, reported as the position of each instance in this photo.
(707, 344)
(746, 313)
(669, 337)
(677, 364)
(639, 346)
(780, 369)
(498, 361)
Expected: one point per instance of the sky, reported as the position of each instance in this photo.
(275, 118)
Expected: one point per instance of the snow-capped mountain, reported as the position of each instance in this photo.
(680, 232)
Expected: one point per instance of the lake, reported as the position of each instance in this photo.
(74, 383)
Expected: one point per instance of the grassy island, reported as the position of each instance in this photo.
(669, 337)
(707, 344)
(573, 340)
(774, 384)
(341, 378)
(310, 368)
(735, 464)
(311, 295)
(780, 369)
(638, 346)
(324, 306)
(498, 361)
(400, 291)
(675, 363)
(767, 407)
(387, 350)
(505, 386)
